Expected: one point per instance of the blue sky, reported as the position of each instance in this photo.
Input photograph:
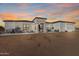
(31, 10)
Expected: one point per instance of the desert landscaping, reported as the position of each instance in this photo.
(40, 44)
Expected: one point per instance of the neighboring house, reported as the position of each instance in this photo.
(2, 23)
(2, 27)
(39, 24)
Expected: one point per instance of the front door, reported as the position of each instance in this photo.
(41, 27)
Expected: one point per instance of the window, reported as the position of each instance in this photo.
(26, 26)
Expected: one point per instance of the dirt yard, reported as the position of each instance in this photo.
(42, 44)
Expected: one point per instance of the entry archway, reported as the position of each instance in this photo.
(41, 27)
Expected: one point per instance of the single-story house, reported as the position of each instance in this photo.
(39, 24)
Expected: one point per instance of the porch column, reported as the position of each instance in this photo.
(36, 28)
(44, 28)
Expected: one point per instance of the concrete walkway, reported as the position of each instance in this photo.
(10, 34)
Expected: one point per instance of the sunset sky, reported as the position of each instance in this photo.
(27, 11)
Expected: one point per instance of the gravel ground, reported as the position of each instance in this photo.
(41, 44)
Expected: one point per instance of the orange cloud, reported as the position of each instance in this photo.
(54, 14)
(72, 14)
(65, 5)
(22, 14)
(8, 16)
(75, 12)
(16, 16)
(40, 10)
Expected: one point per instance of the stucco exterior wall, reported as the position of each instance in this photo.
(63, 27)
(47, 27)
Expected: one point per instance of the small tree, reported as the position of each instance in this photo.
(2, 29)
